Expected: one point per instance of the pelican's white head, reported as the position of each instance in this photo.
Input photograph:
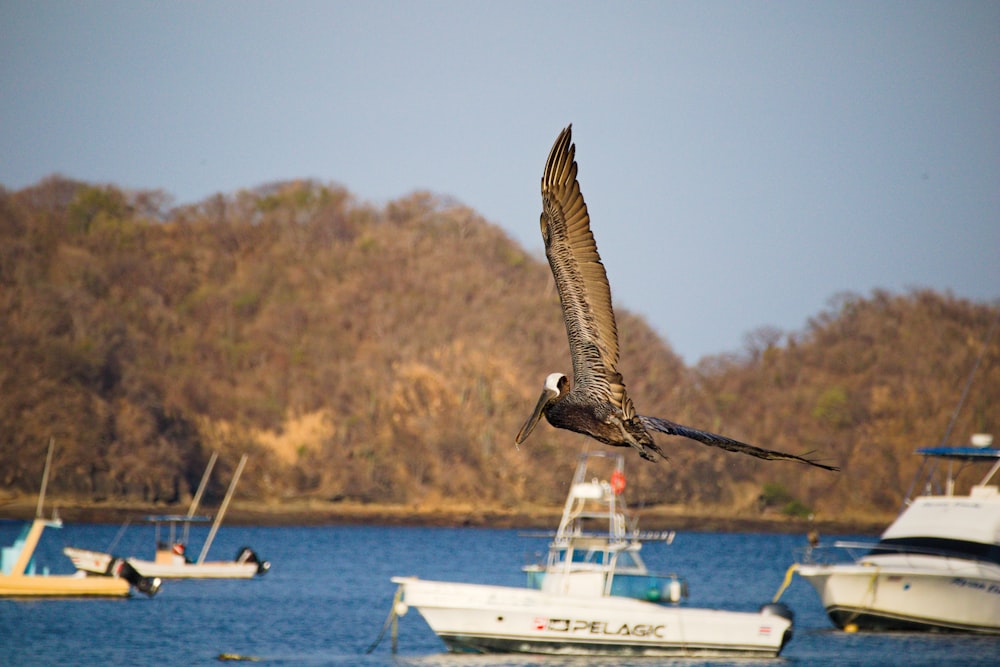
(552, 382)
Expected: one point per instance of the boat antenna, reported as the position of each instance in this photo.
(222, 510)
(45, 478)
(201, 486)
(968, 382)
(121, 531)
(961, 402)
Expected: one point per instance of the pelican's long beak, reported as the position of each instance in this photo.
(547, 397)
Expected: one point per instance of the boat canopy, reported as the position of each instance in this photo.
(954, 518)
(964, 453)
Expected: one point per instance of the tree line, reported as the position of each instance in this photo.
(389, 354)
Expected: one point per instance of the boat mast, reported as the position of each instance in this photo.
(222, 510)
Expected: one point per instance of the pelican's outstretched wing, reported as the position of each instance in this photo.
(714, 440)
(580, 279)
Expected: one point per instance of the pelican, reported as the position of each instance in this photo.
(597, 404)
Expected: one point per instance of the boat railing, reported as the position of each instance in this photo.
(846, 551)
(831, 554)
(631, 536)
(655, 535)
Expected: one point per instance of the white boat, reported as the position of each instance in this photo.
(21, 578)
(594, 595)
(171, 560)
(937, 567)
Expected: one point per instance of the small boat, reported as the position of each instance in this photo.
(20, 576)
(171, 560)
(594, 594)
(935, 568)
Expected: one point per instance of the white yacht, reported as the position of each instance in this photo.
(937, 567)
(593, 595)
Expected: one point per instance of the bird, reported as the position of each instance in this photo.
(597, 404)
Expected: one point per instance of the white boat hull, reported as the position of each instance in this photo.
(478, 618)
(907, 592)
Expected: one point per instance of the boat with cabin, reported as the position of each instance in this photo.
(594, 594)
(21, 577)
(935, 568)
(172, 536)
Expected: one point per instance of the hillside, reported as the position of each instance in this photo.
(388, 355)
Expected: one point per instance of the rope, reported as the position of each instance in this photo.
(121, 531)
(869, 593)
(391, 619)
(788, 580)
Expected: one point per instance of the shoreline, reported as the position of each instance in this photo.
(321, 513)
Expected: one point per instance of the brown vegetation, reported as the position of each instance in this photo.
(388, 355)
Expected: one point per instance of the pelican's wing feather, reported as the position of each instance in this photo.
(721, 441)
(580, 278)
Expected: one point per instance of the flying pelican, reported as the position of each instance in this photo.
(597, 405)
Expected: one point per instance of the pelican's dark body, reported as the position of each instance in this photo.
(598, 404)
(601, 421)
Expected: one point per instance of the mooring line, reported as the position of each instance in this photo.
(393, 620)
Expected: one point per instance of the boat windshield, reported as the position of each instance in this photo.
(935, 546)
(626, 559)
(595, 556)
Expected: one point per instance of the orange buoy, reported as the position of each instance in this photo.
(618, 482)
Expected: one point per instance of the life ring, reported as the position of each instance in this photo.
(618, 482)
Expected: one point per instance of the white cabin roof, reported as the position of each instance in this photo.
(969, 518)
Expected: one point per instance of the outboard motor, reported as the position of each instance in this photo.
(247, 555)
(148, 585)
(778, 609)
(784, 611)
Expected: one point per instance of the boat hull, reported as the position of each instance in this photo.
(909, 593)
(171, 567)
(490, 619)
(51, 586)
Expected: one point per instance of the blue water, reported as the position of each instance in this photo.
(328, 593)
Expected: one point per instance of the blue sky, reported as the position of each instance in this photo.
(742, 162)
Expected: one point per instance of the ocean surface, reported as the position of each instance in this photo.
(328, 594)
